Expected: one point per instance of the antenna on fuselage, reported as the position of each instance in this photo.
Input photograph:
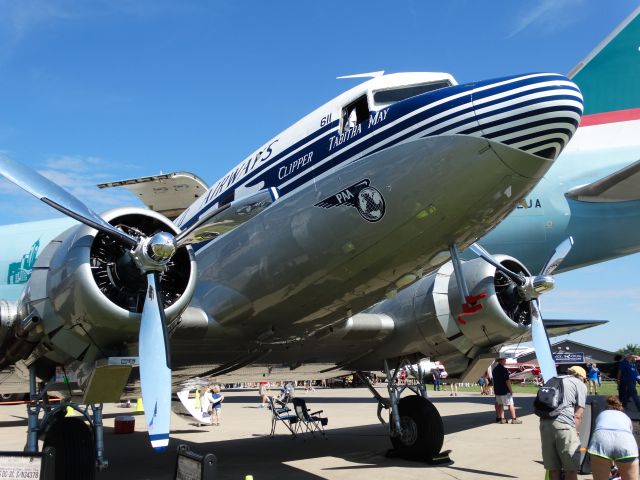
(363, 75)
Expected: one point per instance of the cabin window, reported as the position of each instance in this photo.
(354, 113)
(393, 95)
(228, 198)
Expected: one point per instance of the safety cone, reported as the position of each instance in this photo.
(198, 406)
(70, 412)
(139, 406)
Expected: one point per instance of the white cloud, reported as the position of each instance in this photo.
(547, 15)
(79, 176)
(21, 18)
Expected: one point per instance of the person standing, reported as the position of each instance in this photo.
(559, 435)
(216, 402)
(592, 378)
(489, 376)
(614, 369)
(436, 378)
(612, 441)
(503, 392)
(262, 391)
(627, 378)
(205, 402)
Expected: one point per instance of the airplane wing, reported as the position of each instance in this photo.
(560, 326)
(556, 327)
(620, 186)
(169, 194)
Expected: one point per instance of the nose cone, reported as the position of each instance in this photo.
(537, 113)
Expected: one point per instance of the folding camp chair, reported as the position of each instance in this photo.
(312, 421)
(281, 413)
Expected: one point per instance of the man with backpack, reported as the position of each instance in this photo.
(559, 404)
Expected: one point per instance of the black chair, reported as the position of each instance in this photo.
(312, 421)
(281, 413)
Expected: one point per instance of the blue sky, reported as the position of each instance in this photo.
(104, 90)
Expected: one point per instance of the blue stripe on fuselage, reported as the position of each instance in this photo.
(370, 136)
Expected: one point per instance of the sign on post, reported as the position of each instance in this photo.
(37, 466)
(568, 357)
(193, 466)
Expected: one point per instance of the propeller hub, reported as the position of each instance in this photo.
(153, 254)
(161, 247)
(536, 286)
(543, 283)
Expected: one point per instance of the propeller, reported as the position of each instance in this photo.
(529, 289)
(155, 366)
(151, 256)
(539, 334)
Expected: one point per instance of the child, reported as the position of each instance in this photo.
(216, 411)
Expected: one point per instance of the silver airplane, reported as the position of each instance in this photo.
(348, 205)
(278, 269)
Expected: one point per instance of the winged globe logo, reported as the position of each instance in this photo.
(362, 196)
(370, 204)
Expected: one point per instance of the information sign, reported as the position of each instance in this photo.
(36, 466)
(568, 357)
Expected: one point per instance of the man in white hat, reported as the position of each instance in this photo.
(503, 392)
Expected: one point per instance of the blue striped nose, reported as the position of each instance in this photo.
(537, 113)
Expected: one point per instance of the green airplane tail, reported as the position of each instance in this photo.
(609, 77)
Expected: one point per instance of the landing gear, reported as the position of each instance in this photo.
(415, 426)
(75, 448)
(78, 441)
(421, 432)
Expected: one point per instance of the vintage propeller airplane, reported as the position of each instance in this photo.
(365, 194)
(368, 198)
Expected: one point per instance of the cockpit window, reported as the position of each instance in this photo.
(393, 95)
(354, 113)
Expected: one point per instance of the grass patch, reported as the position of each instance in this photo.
(606, 389)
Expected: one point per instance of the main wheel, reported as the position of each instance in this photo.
(422, 431)
(11, 397)
(75, 448)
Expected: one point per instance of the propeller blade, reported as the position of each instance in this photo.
(541, 344)
(223, 219)
(557, 257)
(486, 256)
(155, 366)
(58, 198)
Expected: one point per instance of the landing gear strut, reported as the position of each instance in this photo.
(415, 426)
(78, 442)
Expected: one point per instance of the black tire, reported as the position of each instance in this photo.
(75, 448)
(11, 397)
(423, 431)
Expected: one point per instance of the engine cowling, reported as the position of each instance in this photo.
(88, 291)
(433, 320)
(494, 313)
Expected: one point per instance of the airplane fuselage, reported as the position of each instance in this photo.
(360, 211)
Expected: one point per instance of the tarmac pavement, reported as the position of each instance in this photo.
(355, 447)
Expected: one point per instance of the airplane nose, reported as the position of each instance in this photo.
(537, 113)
